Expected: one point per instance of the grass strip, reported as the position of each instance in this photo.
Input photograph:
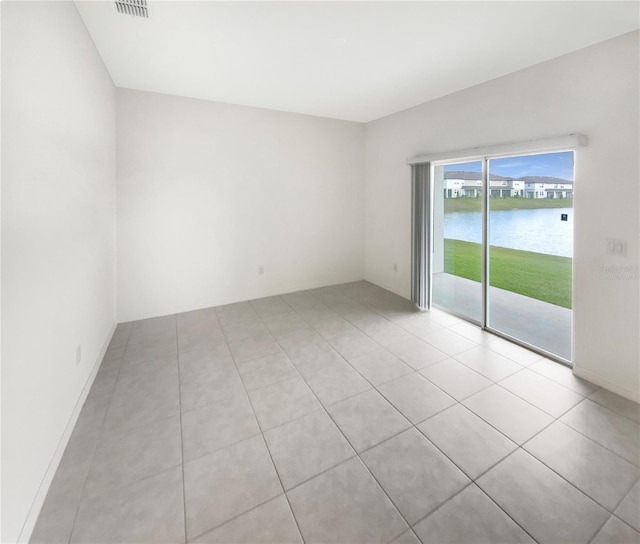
(536, 275)
(475, 204)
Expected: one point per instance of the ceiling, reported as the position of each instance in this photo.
(357, 61)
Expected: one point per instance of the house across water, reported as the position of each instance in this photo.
(469, 185)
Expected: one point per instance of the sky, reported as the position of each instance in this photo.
(558, 165)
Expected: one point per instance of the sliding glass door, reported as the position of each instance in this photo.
(530, 249)
(503, 246)
(457, 237)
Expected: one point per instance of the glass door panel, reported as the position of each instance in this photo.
(457, 239)
(530, 249)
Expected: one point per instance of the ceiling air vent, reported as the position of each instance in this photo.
(137, 8)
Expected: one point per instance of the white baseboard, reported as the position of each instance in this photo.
(596, 379)
(38, 501)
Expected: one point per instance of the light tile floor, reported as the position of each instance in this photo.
(340, 414)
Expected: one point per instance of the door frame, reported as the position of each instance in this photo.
(484, 158)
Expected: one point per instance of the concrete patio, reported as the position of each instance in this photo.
(537, 323)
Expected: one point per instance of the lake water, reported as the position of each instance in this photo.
(539, 230)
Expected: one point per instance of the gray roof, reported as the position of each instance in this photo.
(496, 177)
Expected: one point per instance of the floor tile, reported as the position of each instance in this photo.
(57, 516)
(209, 428)
(254, 346)
(416, 476)
(269, 523)
(443, 317)
(293, 340)
(449, 342)
(389, 334)
(352, 345)
(614, 432)
(194, 363)
(416, 353)
(562, 375)
(170, 391)
(270, 306)
(541, 502)
(201, 338)
(215, 382)
(616, 532)
(152, 331)
(111, 360)
(629, 509)
(408, 537)
(126, 457)
(617, 404)
(283, 401)
(151, 510)
(467, 440)
(315, 357)
(379, 366)
(97, 402)
(366, 320)
(602, 475)
(281, 323)
(488, 363)
(514, 352)
(473, 333)
(419, 325)
(245, 331)
(54, 524)
(337, 383)
(345, 504)
(511, 415)
(306, 446)
(121, 335)
(367, 419)
(226, 483)
(197, 319)
(416, 397)
(332, 325)
(266, 370)
(301, 302)
(230, 314)
(145, 368)
(470, 518)
(455, 379)
(543, 393)
(140, 401)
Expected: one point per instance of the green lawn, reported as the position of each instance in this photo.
(475, 204)
(535, 275)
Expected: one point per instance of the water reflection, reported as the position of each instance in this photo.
(539, 230)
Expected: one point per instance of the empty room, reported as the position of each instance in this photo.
(308, 272)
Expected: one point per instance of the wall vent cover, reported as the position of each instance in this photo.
(138, 8)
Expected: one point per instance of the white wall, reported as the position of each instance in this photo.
(209, 192)
(592, 91)
(58, 239)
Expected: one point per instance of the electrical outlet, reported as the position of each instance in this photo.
(261, 270)
(78, 354)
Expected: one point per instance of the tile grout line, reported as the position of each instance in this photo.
(357, 455)
(264, 441)
(459, 402)
(184, 492)
(472, 480)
